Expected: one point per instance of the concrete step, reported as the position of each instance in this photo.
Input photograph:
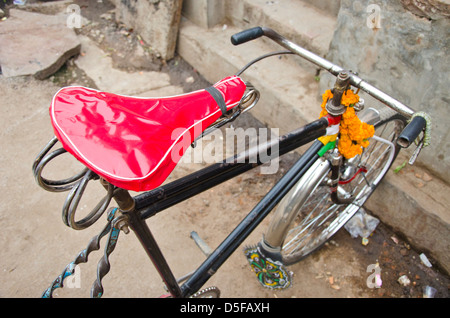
(290, 98)
(288, 90)
(330, 7)
(415, 203)
(299, 21)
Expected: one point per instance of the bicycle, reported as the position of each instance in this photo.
(326, 186)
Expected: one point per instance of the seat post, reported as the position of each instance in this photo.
(122, 197)
(130, 217)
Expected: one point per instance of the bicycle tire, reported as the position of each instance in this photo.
(317, 219)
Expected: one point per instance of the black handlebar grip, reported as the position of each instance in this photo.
(411, 131)
(247, 35)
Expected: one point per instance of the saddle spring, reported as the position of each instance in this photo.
(76, 186)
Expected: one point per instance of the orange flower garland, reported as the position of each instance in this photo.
(354, 133)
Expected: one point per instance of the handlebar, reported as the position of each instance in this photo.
(411, 131)
(418, 123)
(247, 35)
(254, 33)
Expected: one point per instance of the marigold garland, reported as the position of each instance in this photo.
(353, 133)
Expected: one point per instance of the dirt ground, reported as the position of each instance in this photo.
(36, 245)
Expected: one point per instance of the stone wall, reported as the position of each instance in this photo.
(403, 48)
(430, 9)
(156, 21)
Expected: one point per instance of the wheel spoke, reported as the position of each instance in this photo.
(310, 225)
(319, 218)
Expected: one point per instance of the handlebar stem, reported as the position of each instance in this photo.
(334, 106)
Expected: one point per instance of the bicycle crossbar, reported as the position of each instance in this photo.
(152, 202)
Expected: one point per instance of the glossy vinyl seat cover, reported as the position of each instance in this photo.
(135, 143)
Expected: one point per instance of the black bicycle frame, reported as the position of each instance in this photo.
(152, 202)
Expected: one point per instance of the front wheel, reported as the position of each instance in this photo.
(314, 218)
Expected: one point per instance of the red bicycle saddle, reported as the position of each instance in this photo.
(135, 143)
